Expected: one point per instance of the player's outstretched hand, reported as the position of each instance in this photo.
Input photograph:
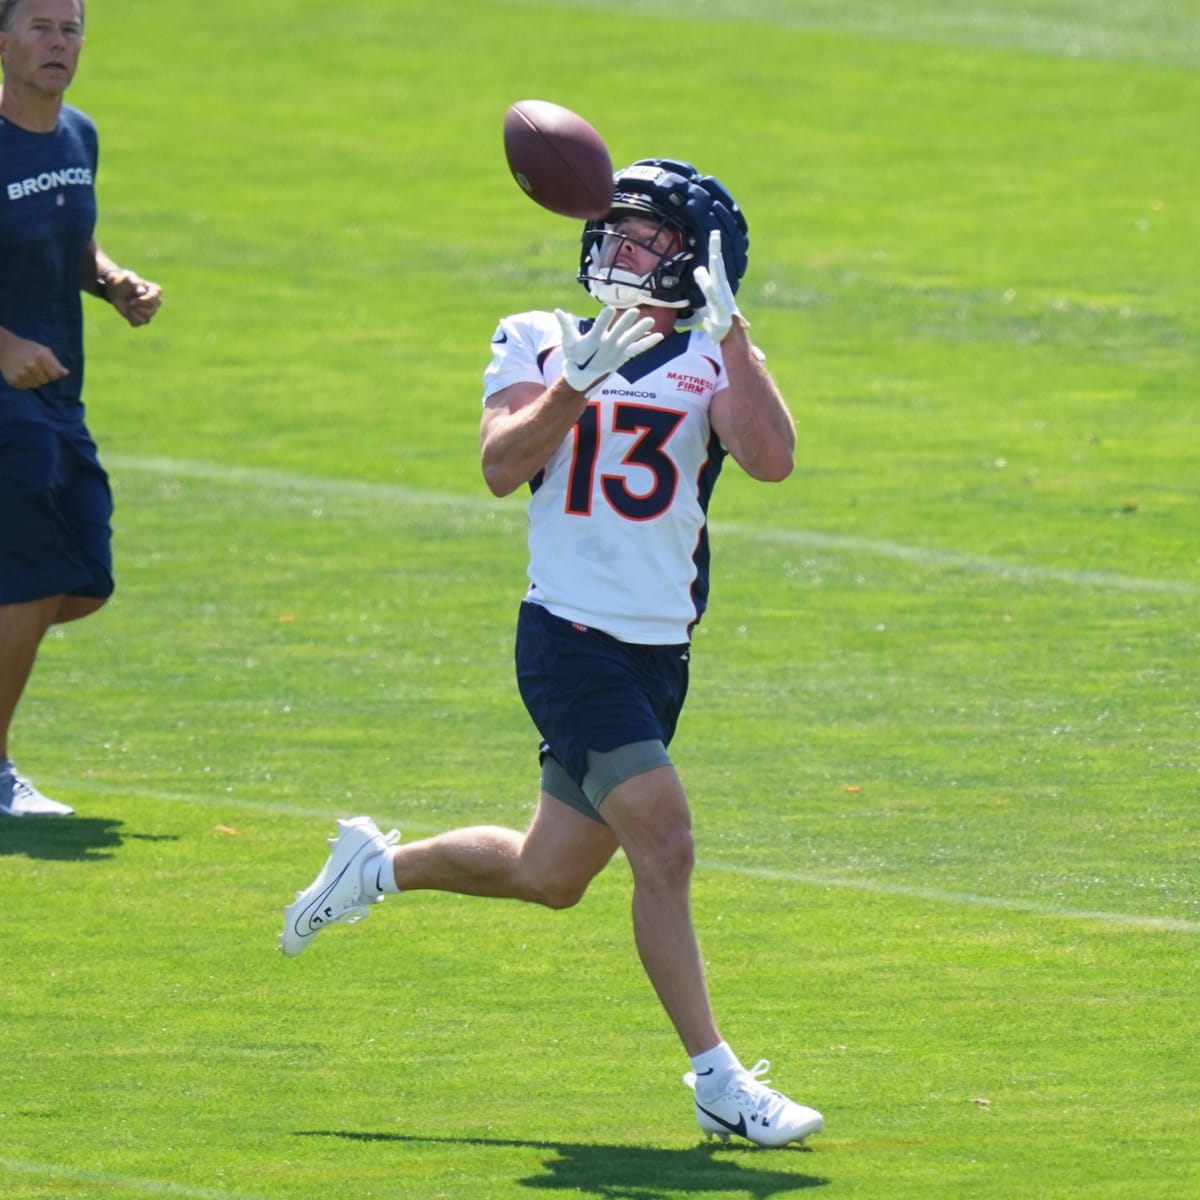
(720, 307)
(608, 345)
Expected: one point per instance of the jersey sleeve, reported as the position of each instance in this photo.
(518, 351)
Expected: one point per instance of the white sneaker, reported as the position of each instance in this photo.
(756, 1112)
(337, 893)
(19, 798)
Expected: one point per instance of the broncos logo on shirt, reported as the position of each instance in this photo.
(47, 218)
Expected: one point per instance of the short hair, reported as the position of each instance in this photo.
(8, 9)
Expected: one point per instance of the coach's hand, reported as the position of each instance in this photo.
(28, 365)
(135, 298)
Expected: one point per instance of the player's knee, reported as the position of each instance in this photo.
(558, 885)
(677, 854)
(665, 863)
(559, 893)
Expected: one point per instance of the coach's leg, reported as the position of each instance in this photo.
(22, 627)
(552, 863)
(649, 814)
(75, 608)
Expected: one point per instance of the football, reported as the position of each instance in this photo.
(558, 159)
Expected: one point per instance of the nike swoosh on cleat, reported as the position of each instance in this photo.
(739, 1128)
(318, 913)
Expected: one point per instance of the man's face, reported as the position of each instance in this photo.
(40, 48)
(639, 244)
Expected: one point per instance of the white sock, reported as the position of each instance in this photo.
(378, 877)
(714, 1069)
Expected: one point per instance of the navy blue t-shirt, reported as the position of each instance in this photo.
(47, 218)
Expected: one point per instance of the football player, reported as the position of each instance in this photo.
(619, 426)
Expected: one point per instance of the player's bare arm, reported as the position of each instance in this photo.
(750, 416)
(522, 426)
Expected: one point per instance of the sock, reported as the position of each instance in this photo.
(378, 878)
(714, 1069)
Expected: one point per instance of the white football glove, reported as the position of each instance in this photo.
(720, 307)
(608, 345)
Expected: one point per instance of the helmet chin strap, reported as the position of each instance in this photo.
(624, 289)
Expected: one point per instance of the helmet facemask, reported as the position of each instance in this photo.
(612, 283)
(681, 201)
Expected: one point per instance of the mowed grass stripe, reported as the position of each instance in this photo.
(267, 479)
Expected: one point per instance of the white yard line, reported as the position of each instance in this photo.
(965, 899)
(802, 539)
(127, 1184)
(228, 803)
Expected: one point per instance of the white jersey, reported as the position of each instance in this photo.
(617, 518)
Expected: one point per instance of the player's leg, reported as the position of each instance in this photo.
(551, 863)
(650, 817)
(649, 813)
(584, 690)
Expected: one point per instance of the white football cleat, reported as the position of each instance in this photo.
(756, 1112)
(337, 892)
(19, 798)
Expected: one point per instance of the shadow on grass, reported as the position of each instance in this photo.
(65, 839)
(636, 1172)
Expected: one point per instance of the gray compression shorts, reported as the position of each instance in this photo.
(605, 771)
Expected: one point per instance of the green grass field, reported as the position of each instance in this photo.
(942, 744)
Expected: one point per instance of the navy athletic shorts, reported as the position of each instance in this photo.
(55, 513)
(585, 690)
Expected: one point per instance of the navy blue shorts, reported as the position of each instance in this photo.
(585, 690)
(55, 514)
